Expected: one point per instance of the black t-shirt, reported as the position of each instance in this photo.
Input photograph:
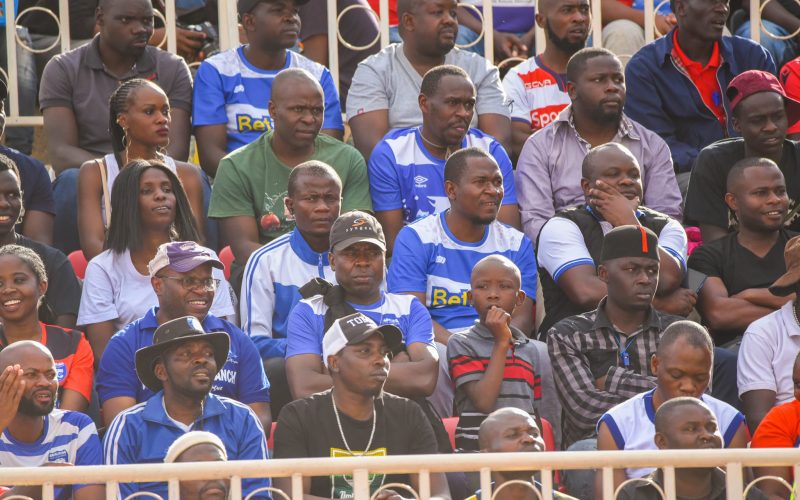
(705, 199)
(307, 428)
(63, 294)
(738, 268)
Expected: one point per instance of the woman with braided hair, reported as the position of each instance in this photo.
(139, 127)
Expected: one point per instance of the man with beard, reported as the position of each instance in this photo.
(677, 83)
(570, 244)
(32, 432)
(74, 94)
(383, 94)
(180, 367)
(356, 417)
(686, 423)
(548, 174)
(180, 275)
(200, 446)
(537, 88)
(406, 168)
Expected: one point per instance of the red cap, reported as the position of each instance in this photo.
(790, 78)
(755, 81)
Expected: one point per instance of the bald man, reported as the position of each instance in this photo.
(252, 182)
(232, 89)
(34, 432)
(569, 244)
(510, 430)
(742, 265)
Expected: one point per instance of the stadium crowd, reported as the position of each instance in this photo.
(575, 253)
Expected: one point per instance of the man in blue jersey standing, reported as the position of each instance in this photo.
(32, 431)
(232, 89)
(406, 169)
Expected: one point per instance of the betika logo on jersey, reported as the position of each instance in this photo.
(441, 297)
(249, 123)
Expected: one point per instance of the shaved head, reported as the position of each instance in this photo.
(288, 80)
(16, 353)
(498, 264)
(669, 410)
(599, 156)
(495, 423)
(737, 173)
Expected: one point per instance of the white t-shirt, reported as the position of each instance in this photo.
(114, 290)
(767, 354)
(112, 171)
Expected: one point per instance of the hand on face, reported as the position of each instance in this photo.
(498, 321)
(12, 386)
(613, 205)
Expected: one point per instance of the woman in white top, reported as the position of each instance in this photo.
(139, 127)
(149, 207)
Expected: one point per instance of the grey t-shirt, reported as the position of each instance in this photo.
(387, 80)
(79, 81)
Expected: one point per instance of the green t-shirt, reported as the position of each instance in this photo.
(253, 181)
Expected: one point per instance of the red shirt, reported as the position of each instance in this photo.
(704, 79)
(376, 6)
(780, 428)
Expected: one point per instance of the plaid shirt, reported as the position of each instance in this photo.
(584, 348)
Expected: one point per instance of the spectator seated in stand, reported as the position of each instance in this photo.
(251, 184)
(770, 346)
(511, 430)
(275, 273)
(780, 428)
(686, 423)
(233, 89)
(682, 367)
(761, 113)
(406, 168)
(570, 244)
(149, 208)
(75, 91)
(200, 446)
(537, 88)
(179, 367)
(739, 267)
(386, 86)
(677, 84)
(181, 278)
(59, 306)
(36, 192)
(624, 28)
(548, 174)
(139, 127)
(33, 432)
(493, 364)
(24, 282)
(336, 423)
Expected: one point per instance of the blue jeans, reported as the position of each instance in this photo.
(21, 138)
(782, 51)
(65, 195)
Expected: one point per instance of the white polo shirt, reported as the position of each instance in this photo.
(766, 357)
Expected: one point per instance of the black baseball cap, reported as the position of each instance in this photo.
(630, 241)
(356, 227)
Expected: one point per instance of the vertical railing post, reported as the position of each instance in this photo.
(171, 31)
(669, 483)
(734, 479)
(755, 20)
(228, 24)
(649, 20)
(488, 31)
(360, 484)
(333, 42)
(63, 19)
(11, 54)
(383, 11)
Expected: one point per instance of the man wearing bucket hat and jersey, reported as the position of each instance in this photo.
(180, 367)
(355, 417)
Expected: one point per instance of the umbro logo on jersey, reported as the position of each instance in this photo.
(420, 181)
(238, 89)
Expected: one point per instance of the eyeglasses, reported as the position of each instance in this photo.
(194, 283)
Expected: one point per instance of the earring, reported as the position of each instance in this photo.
(126, 144)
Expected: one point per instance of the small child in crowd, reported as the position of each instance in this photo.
(494, 365)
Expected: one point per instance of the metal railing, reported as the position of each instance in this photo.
(229, 36)
(734, 461)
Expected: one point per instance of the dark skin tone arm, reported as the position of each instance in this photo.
(38, 226)
(773, 489)
(606, 442)
(756, 404)
(509, 214)
(368, 129)
(212, 141)
(613, 10)
(264, 414)
(483, 393)
(391, 222)
(112, 407)
(179, 130)
(711, 232)
(73, 400)
(778, 14)
(193, 185)
(413, 373)
(520, 131)
(724, 312)
(498, 126)
(241, 233)
(98, 335)
(66, 320)
(61, 130)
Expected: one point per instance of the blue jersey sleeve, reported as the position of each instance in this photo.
(253, 446)
(253, 386)
(502, 159)
(119, 447)
(208, 103)
(526, 262)
(333, 110)
(384, 186)
(269, 347)
(304, 331)
(420, 324)
(408, 270)
(91, 451)
(116, 376)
